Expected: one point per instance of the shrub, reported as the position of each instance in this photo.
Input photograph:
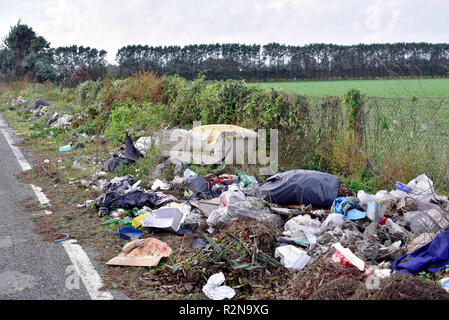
(87, 92)
(121, 119)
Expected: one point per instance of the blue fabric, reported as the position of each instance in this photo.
(336, 205)
(355, 214)
(347, 207)
(431, 257)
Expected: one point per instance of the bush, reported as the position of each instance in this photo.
(121, 120)
(139, 88)
(87, 92)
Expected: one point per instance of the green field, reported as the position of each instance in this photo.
(380, 88)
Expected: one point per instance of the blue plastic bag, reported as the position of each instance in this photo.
(431, 257)
(402, 187)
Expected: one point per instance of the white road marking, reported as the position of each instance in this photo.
(90, 277)
(17, 152)
(43, 200)
(86, 270)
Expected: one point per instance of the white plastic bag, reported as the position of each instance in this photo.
(215, 291)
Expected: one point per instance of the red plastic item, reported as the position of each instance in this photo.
(383, 221)
(338, 258)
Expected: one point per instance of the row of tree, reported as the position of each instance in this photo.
(276, 61)
(24, 53)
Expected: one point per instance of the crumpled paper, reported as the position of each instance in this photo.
(215, 291)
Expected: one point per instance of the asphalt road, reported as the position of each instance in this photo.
(30, 268)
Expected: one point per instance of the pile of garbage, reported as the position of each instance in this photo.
(40, 108)
(303, 216)
(17, 102)
(57, 120)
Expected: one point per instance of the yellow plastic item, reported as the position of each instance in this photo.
(136, 220)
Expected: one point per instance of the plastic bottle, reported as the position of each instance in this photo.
(111, 221)
(125, 221)
(243, 178)
(66, 148)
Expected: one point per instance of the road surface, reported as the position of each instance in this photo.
(29, 267)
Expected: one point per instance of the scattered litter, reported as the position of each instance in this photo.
(292, 258)
(234, 204)
(206, 206)
(129, 155)
(189, 173)
(297, 217)
(66, 236)
(431, 257)
(419, 241)
(141, 253)
(169, 219)
(86, 204)
(129, 233)
(214, 289)
(199, 243)
(76, 165)
(160, 185)
(445, 283)
(66, 148)
(345, 257)
(143, 144)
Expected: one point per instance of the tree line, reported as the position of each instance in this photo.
(283, 62)
(24, 53)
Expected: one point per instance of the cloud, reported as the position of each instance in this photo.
(111, 24)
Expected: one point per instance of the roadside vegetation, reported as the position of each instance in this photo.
(370, 142)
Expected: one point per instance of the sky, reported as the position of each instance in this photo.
(111, 24)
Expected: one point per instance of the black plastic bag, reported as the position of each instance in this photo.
(112, 164)
(40, 103)
(301, 187)
(130, 156)
(131, 152)
(133, 199)
(197, 183)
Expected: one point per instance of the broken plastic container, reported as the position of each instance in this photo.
(374, 211)
(169, 219)
(128, 233)
(292, 258)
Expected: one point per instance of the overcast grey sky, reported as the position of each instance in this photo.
(111, 24)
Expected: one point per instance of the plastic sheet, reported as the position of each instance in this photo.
(432, 257)
(302, 187)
